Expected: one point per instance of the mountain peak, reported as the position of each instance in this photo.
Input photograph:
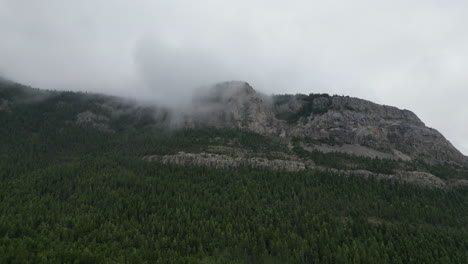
(319, 118)
(230, 90)
(320, 121)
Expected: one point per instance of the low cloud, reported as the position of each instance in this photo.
(412, 55)
(172, 72)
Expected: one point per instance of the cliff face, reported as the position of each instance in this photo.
(355, 121)
(220, 161)
(235, 161)
(321, 122)
(234, 105)
(326, 121)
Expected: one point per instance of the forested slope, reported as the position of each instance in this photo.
(72, 193)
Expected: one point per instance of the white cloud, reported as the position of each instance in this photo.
(410, 54)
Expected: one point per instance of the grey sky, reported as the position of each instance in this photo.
(411, 54)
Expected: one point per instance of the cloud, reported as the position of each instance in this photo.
(171, 71)
(410, 54)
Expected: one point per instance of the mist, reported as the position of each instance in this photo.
(412, 55)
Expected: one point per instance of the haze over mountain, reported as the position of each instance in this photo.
(313, 124)
(234, 177)
(232, 132)
(411, 55)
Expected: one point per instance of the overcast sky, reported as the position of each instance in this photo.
(410, 54)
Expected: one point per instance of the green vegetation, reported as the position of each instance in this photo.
(346, 161)
(445, 171)
(76, 195)
(126, 210)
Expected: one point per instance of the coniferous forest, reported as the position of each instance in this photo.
(71, 194)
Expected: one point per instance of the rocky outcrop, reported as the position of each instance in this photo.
(422, 179)
(340, 120)
(219, 161)
(90, 119)
(234, 105)
(5, 106)
(458, 183)
(240, 159)
(354, 149)
(355, 121)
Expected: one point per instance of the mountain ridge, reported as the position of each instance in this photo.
(322, 122)
(90, 178)
(328, 119)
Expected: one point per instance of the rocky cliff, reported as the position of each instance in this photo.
(234, 105)
(319, 121)
(323, 122)
(236, 158)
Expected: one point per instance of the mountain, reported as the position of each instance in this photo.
(357, 126)
(234, 177)
(315, 131)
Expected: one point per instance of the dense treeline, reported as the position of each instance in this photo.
(128, 210)
(77, 195)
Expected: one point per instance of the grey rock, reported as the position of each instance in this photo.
(219, 161)
(354, 149)
(457, 183)
(356, 121)
(5, 106)
(90, 119)
(421, 178)
(234, 105)
(341, 119)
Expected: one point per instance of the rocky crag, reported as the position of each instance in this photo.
(325, 123)
(322, 122)
(310, 132)
(237, 159)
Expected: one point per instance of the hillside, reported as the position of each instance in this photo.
(340, 120)
(240, 178)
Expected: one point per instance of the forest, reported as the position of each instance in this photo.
(73, 194)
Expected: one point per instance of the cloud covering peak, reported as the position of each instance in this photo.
(412, 55)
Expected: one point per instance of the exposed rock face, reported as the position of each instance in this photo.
(4, 106)
(356, 121)
(423, 179)
(357, 150)
(340, 119)
(234, 105)
(90, 119)
(220, 161)
(457, 183)
(227, 162)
